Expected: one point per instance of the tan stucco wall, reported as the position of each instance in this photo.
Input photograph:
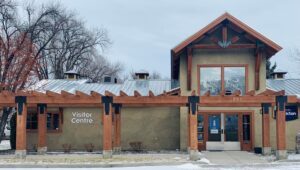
(156, 127)
(292, 129)
(224, 56)
(75, 134)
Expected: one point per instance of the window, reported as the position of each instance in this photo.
(246, 128)
(210, 79)
(53, 121)
(200, 128)
(234, 78)
(32, 121)
(222, 79)
(107, 79)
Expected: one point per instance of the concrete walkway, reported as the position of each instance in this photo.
(233, 158)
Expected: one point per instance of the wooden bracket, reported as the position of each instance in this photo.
(20, 100)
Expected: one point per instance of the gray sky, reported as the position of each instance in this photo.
(143, 32)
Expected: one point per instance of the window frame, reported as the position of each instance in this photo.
(60, 115)
(222, 66)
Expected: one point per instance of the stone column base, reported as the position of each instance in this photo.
(107, 154)
(20, 154)
(42, 150)
(117, 150)
(194, 155)
(281, 154)
(266, 151)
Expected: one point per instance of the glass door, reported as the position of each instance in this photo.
(214, 128)
(231, 127)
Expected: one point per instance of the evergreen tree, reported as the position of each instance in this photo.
(270, 68)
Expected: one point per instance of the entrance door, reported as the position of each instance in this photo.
(223, 132)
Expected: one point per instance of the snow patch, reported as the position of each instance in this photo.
(188, 166)
(204, 160)
(294, 157)
(5, 145)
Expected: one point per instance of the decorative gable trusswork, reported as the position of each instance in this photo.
(226, 32)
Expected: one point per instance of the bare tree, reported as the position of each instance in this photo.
(21, 46)
(98, 67)
(155, 75)
(72, 47)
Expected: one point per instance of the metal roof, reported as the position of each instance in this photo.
(129, 86)
(291, 86)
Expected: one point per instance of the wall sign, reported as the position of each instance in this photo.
(291, 113)
(82, 118)
(214, 124)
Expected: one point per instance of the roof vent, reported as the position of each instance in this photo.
(72, 75)
(142, 75)
(278, 74)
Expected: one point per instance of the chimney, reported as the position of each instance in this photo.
(278, 74)
(142, 75)
(71, 75)
(110, 79)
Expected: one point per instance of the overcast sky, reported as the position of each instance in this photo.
(144, 31)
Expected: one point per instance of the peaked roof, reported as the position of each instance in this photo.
(229, 17)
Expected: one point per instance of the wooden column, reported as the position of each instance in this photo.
(193, 103)
(107, 126)
(266, 146)
(117, 128)
(258, 59)
(42, 128)
(189, 68)
(21, 126)
(280, 127)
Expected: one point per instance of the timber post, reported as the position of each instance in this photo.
(21, 102)
(281, 127)
(117, 128)
(42, 128)
(266, 146)
(107, 126)
(193, 142)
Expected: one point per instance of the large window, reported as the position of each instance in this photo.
(210, 80)
(222, 79)
(53, 121)
(234, 78)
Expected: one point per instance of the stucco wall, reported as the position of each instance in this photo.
(76, 134)
(292, 129)
(224, 56)
(156, 127)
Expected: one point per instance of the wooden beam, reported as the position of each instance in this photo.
(21, 130)
(81, 94)
(136, 93)
(189, 68)
(42, 128)
(66, 94)
(108, 93)
(151, 94)
(213, 46)
(224, 33)
(258, 60)
(234, 39)
(95, 94)
(122, 93)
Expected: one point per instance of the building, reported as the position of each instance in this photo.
(223, 102)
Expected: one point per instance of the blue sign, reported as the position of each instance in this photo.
(291, 113)
(214, 124)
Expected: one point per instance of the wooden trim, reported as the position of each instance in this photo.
(232, 46)
(232, 20)
(258, 59)
(222, 66)
(189, 68)
(240, 113)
